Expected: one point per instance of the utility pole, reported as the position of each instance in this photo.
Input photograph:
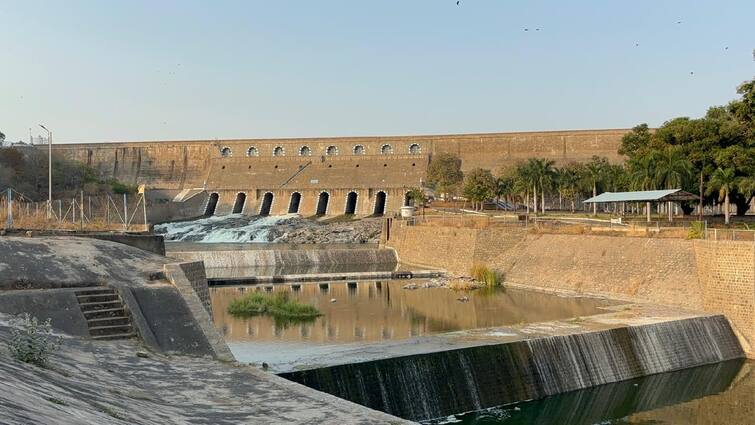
(49, 171)
(700, 207)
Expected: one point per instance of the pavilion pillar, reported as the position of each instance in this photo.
(647, 208)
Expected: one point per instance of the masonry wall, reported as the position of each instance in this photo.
(327, 164)
(712, 276)
(726, 270)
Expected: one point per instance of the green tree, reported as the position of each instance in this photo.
(636, 141)
(595, 175)
(504, 185)
(479, 186)
(672, 168)
(568, 183)
(543, 175)
(723, 181)
(416, 196)
(444, 173)
(2, 137)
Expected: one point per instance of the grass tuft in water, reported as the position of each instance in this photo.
(278, 305)
(488, 276)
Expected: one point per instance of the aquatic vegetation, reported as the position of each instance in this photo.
(484, 274)
(278, 305)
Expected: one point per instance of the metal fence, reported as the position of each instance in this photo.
(101, 212)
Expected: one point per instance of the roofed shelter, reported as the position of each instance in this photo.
(647, 196)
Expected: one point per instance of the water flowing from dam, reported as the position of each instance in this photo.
(227, 228)
(438, 384)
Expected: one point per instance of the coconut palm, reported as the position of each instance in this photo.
(723, 181)
(595, 174)
(672, 168)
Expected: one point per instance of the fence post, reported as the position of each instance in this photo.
(125, 213)
(9, 218)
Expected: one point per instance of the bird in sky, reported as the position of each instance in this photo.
(457, 3)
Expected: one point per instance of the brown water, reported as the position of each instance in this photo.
(363, 312)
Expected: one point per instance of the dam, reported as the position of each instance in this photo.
(308, 176)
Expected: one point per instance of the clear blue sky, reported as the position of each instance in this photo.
(145, 70)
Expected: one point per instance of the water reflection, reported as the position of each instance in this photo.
(375, 311)
(723, 393)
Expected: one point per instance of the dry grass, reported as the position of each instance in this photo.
(482, 274)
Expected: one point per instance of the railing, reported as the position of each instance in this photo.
(729, 235)
(83, 212)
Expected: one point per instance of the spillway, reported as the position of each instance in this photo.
(440, 383)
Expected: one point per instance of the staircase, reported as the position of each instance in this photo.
(106, 316)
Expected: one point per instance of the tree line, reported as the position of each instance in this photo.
(26, 170)
(713, 156)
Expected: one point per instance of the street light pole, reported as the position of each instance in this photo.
(49, 171)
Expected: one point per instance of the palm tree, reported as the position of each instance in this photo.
(723, 181)
(672, 168)
(542, 176)
(595, 173)
(642, 172)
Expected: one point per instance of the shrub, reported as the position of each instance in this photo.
(278, 305)
(34, 341)
(489, 277)
(696, 230)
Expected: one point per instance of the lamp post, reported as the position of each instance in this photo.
(49, 171)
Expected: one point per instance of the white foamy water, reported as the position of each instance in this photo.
(223, 229)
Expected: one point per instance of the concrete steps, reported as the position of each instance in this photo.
(106, 316)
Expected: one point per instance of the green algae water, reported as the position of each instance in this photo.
(722, 393)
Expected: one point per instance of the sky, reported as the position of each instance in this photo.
(169, 70)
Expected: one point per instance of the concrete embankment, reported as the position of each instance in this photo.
(711, 276)
(100, 382)
(472, 370)
(166, 305)
(106, 383)
(282, 264)
(239, 259)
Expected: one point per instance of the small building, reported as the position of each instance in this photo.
(647, 196)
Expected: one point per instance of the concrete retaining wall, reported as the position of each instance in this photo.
(287, 257)
(711, 276)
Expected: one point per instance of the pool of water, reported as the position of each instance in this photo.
(717, 394)
(373, 312)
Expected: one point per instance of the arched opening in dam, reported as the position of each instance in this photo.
(322, 203)
(293, 205)
(267, 204)
(379, 203)
(212, 203)
(351, 203)
(238, 206)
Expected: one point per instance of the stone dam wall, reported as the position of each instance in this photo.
(438, 384)
(711, 276)
(312, 166)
